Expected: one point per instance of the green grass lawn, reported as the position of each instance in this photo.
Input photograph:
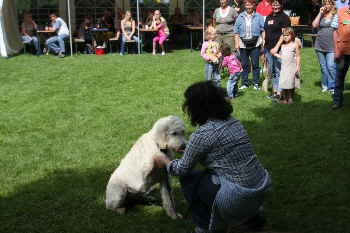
(66, 123)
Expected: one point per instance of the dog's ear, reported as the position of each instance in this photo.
(160, 133)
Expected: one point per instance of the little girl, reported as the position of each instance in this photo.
(290, 64)
(234, 68)
(159, 23)
(211, 53)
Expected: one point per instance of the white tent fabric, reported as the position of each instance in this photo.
(10, 42)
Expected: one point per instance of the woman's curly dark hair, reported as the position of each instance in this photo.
(204, 100)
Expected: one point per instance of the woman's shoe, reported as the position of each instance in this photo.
(163, 53)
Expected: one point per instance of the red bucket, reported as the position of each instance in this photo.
(100, 50)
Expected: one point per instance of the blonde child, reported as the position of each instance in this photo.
(211, 53)
(234, 68)
(160, 24)
(290, 64)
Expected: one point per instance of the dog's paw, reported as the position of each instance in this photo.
(121, 211)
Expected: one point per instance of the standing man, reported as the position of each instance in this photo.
(224, 19)
(56, 43)
(341, 35)
(275, 23)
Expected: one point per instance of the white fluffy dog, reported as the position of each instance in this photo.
(137, 173)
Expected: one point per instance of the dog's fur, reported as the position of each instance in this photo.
(137, 172)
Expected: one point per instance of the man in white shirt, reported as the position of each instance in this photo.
(56, 43)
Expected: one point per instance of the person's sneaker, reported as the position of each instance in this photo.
(163, 53)
(243, 87)
(154, 53)
(336, 106)
(121, 54)
(61, 55)
(324, 89)
(46, 51)
(200, 230)
(256, 87)
(331, 91)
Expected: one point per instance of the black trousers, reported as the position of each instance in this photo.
(342, 68)
(199, 192)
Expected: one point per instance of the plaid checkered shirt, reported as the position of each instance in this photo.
(223, 147)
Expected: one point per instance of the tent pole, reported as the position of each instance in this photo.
(138, 28)
(203, 20)
(70, 29)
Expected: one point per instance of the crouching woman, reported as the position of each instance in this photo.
(231, 188)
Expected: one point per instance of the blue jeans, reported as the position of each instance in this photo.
(232, 84)
(122, 43)
(328, 68)
(274, 65)
(200, 192)
(343, 64)
(56, 43)
(34, 40)
(253, 54)
(212, 73)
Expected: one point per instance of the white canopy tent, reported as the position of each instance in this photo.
(10, 42)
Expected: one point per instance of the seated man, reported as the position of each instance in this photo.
(84, 33)
(28, 29)
(56, 43)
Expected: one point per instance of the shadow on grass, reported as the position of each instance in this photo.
(71, 201)
(305, 146)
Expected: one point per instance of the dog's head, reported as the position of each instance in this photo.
(168, 132)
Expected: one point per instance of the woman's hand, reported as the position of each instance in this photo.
(160, 161)
(322, 10)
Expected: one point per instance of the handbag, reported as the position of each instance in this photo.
(250, 43)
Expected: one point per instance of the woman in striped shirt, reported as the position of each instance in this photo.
(230, 190)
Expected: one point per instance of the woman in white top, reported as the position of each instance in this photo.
(224, 19)
(28, 29)
(128, 31)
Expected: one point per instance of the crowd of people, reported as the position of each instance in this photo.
(254, 31)
(264, 32)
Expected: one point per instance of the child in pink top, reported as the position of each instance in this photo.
(159, 23)
(234, 68)
(211, 53)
